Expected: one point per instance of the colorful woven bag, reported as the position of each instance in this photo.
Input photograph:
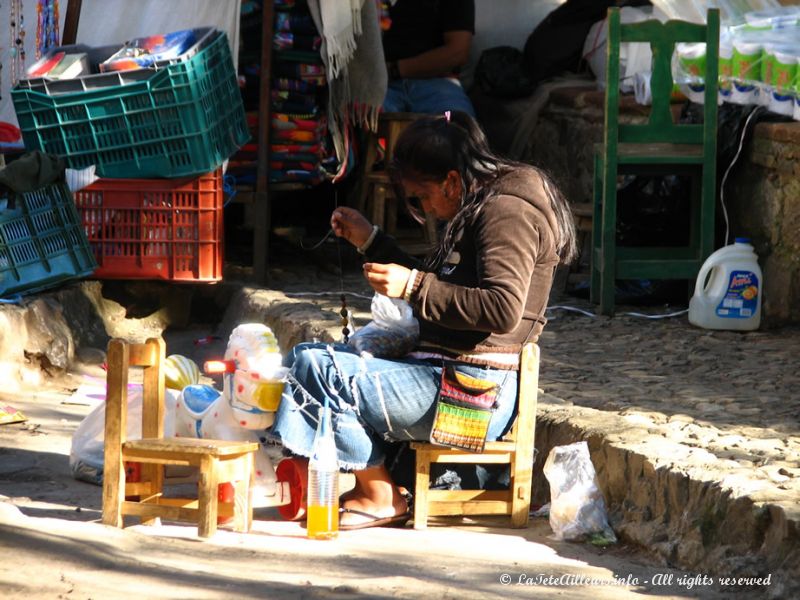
(464, 408)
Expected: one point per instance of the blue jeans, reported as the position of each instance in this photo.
(432, 96)
(373, 401)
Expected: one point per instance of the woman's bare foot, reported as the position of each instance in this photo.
(355, 492)
(375, 495)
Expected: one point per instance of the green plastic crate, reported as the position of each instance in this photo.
(185, 119)
(42, 242)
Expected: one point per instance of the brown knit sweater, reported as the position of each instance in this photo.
(491, 293)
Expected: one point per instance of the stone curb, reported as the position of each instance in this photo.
(660, 497)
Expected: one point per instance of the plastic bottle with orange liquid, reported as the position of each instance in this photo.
(322, 506)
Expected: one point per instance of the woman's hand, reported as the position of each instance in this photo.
(351, 225)
(389, 280)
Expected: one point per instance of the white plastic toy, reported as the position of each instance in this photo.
(252, 387)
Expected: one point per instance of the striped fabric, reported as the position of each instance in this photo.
(464, 409)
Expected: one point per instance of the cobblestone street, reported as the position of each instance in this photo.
(736, 395)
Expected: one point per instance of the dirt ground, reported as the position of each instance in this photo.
(52, 544)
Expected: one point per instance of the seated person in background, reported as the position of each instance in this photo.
(426, 45)
(478, 297)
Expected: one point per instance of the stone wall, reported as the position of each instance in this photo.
(763, 197)
(762, 194)
(668, 501)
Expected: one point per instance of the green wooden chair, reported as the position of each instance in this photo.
(657, 147)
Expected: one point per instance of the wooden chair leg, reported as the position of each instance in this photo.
(207, 496)
(115, 428)
(597, 248)
(421, 485)
(707, 210)
(240, 505)
(522, 468)
(250, 488)
(113, 492)
(379, 206)
(154, 475)
(242, 499)
(608, 241)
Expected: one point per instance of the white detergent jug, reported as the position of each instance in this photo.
(727, 294)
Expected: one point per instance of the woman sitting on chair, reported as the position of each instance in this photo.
(478, 297)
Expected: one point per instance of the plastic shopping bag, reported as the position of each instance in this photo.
(393, 331)
(577, 508)
(634, 57)
(86, 452)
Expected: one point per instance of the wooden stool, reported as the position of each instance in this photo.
(516, 450)
(377, 199)
(218, 461)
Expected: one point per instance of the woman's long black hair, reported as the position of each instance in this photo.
(432, 146)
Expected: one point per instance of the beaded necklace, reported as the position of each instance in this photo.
(46, 26)
(1, 64)
(17, 41)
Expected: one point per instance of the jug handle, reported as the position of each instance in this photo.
(702, 276)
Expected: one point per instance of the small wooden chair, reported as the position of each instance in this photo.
(218, 461)
(377, 199)
(516, 450)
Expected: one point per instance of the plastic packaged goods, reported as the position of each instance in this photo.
(796, 112)
(766, 51)
(725, 67)
(393, 331)
(685, 10)
(689, 67)
(727, 292)
(731, 11)
(147, 51)
(759, 54)
(577, 508)
(323, 483)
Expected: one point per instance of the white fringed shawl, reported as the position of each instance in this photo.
(352, 51)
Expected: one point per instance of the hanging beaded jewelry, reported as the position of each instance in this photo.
(17, 41)
(345, 314)
(1, 64)
(46, 26)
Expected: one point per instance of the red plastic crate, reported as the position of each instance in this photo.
(155, 228)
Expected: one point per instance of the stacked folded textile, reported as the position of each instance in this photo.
(299, 149)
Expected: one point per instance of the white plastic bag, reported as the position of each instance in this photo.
(577, 508)
(634, 57)
(393, 331)
(86, 452)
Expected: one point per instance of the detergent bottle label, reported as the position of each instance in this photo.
(741, 299)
